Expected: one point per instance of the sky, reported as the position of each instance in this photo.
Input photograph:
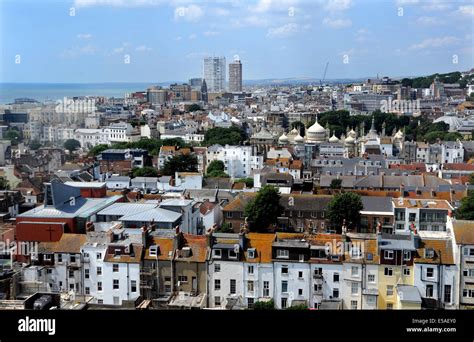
(91, 41)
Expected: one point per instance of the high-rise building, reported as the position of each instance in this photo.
(195, 83)
(235, 76)
(204, 96)
(213, 70)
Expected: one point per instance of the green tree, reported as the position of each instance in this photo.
(216, 169)
(225, 136)
(264, 209)
(466, 210)
(146, 171)
(194, 107)
(71, 145)
(299, 126)
(13, 135)
(180, 163)
(98, 149)
(248, 181)
(471, 179)
(34, 145)
(261, 305)
(345, 206)
(4, 185)
(336, 184)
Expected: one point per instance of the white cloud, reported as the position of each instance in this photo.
(436, 5)
(337, 23)
(428, 21)
(189, 13)
(118, 3)
(435, 43)
(78, 51)
(211, 33)
(467, 11)
(337, 5)
(143, 48)
(192, 36)
(120, 49)
(84, 36)
(286, 30)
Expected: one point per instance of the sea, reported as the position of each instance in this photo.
(57, 91)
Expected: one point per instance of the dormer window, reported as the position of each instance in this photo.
(283, 253)
(429, 253)
(154, 250)
(232, 254)
(251, 253)
(388, 254)
(406, 255)
(217, 253)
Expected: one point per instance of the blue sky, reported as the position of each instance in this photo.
(166, 40)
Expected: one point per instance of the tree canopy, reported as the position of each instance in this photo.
(263, 210)
(180, 163)
(225, 136)
(71, 145)
(13, 135)
(146, 171)
(216, 169)
(345, 206)
(34, 145)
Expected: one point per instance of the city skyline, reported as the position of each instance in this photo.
(94, 41)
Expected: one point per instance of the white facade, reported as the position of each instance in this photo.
(452, 152)
(326, 282)
(239, 161)
(437, 282)
(292, 280)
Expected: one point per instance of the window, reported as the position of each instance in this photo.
(116, 284)
(447, 293)
(217, 253)
(284, 286)
(73, 259)
(371, 300)
(99, 270)
(99, 286)
(232, 254)
(388, 271)
(355, 271)
(353, 305)
(284, 269)
(388, 254)
(217, 301)
(60, 258)
(371, 278)
(250, 302)
(335, 293)
(217, 284)
(406, 255)
(283, 253)
(71, 287)
(86, 273)
(354, 288)
(183, 279)
(251, 253)
(233, 286)
(284, 303)
(300, 275)
(429, 291)
(430, 272)
(250, 269)
(100, 301)
(88, 290)
(266, 289)
(133, 286)
(335, 277)
(301, 258)
(217, 268)
(250, 286)
(71, 273)
(406, 271)
(389, 306)
(115, 267)
(99, 256)
(389, 290)
(300, 292)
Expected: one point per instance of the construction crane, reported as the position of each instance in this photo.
(324, 77)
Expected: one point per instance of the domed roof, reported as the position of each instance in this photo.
(299, 139)
(399, 135)
(294, 131)
(316, 128)
(283, 138)
(333, 139)
(352, 133)
(349, 140)
(451, 119)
